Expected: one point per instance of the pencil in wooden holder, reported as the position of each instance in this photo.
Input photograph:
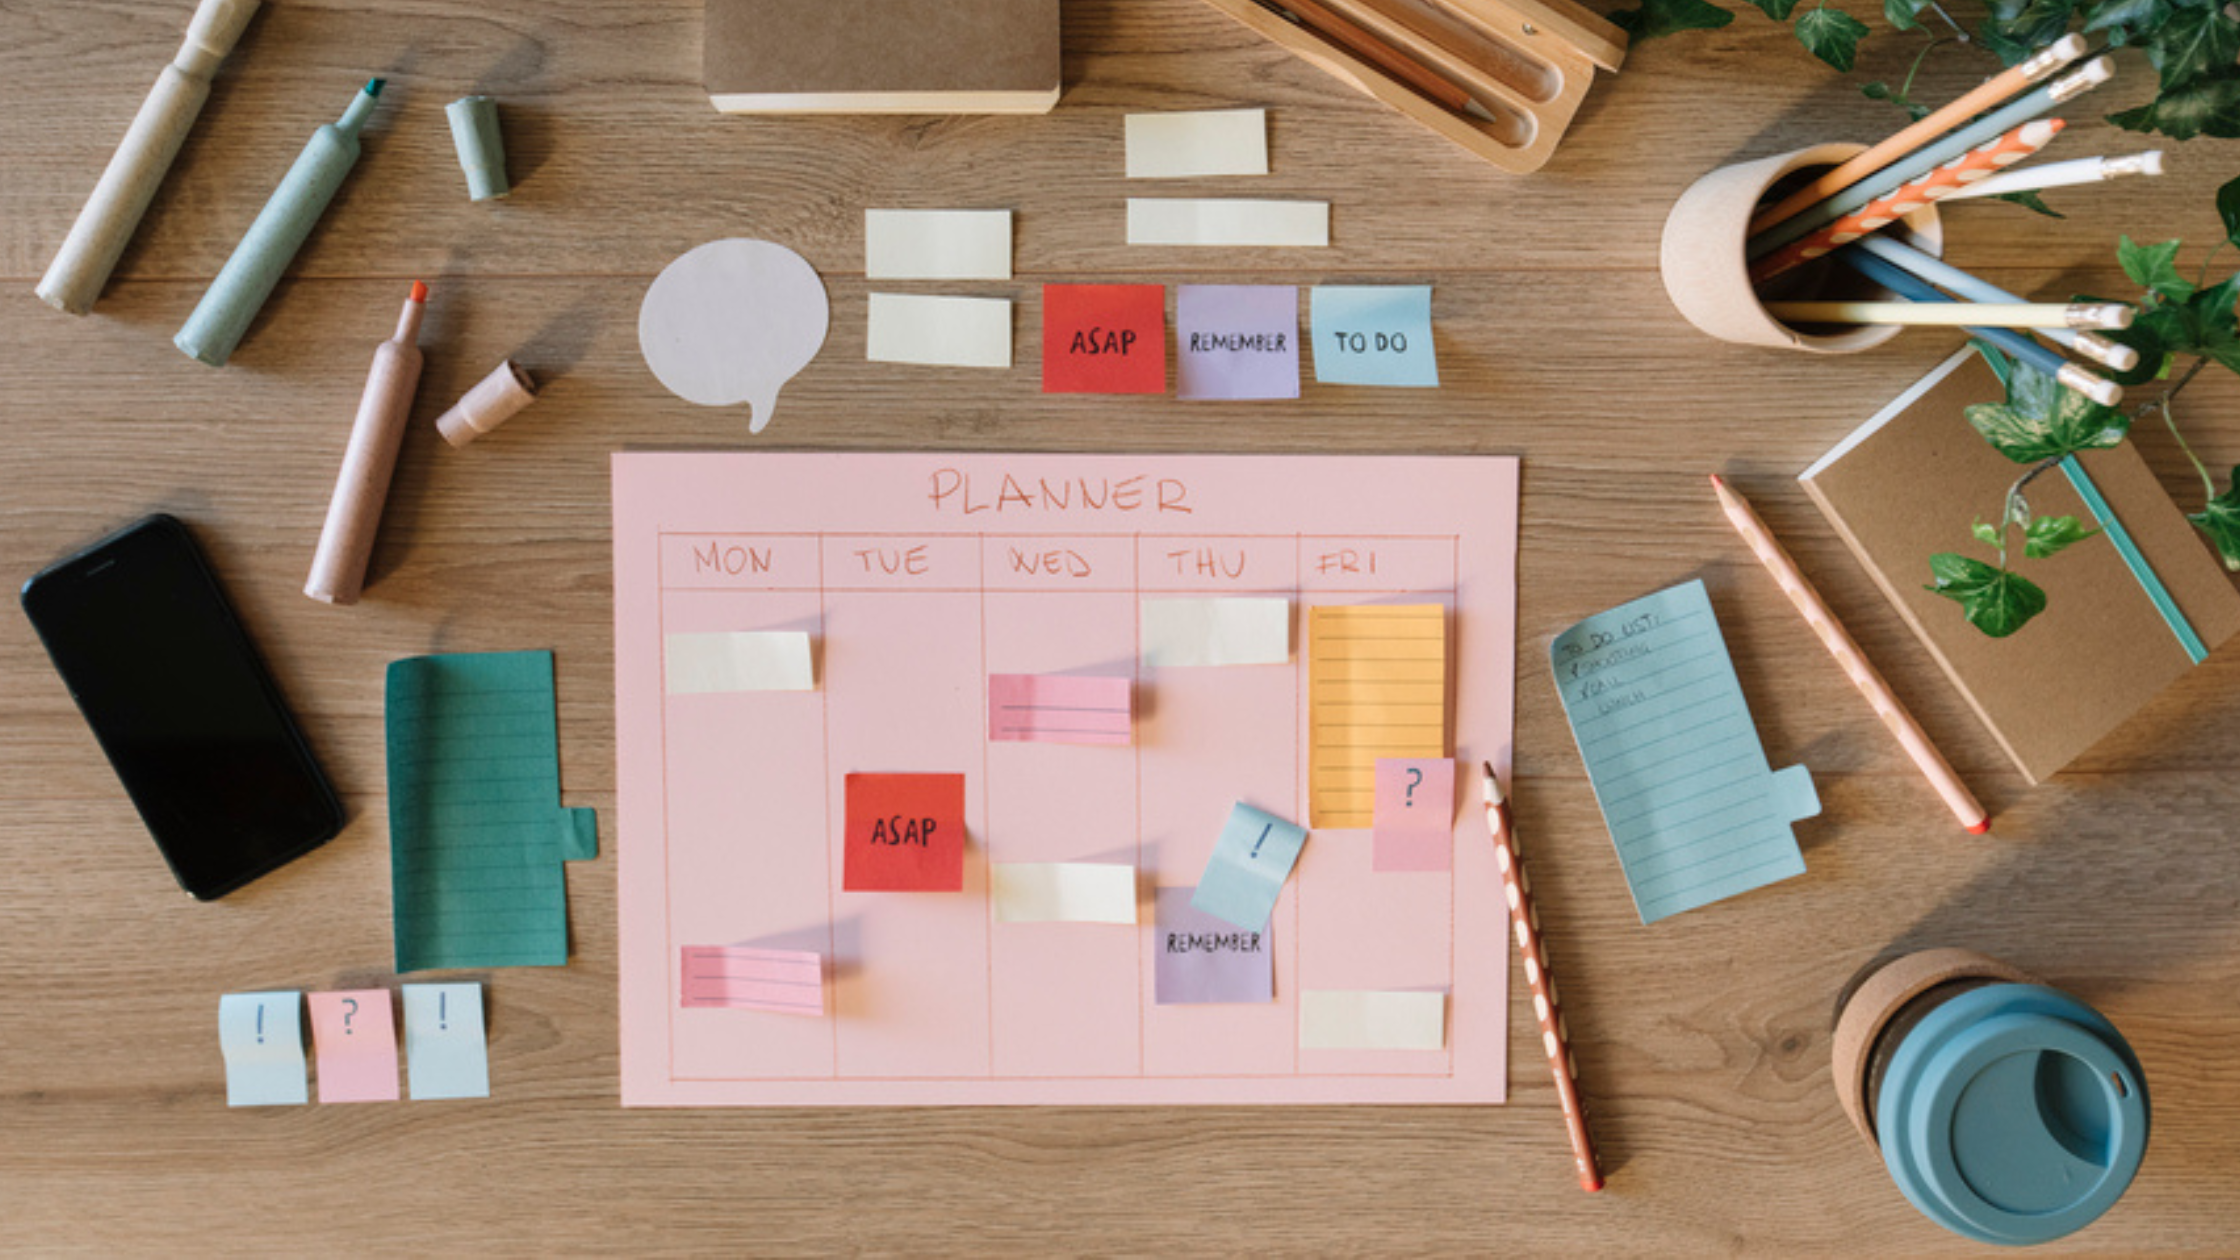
(338, 570)
(493, 401)
(1989, 93)
(112, 213)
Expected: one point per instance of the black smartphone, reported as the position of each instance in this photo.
(151, 650)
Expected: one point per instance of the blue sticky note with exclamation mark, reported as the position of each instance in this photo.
(262, 1037)
(446, 1052)
(1250, 861)
(1697, 812)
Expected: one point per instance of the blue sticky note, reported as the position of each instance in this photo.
(445, 1053)
(262, 1037)
(1250, 861)
(1696, 811)
(1374, 335)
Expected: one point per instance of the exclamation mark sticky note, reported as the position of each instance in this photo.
(262, 1037)
(446, 1055)
(355, 1037)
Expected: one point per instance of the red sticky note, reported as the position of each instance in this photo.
(354, 1035)
(1104, 339)
(1414, 823)
(905, 833)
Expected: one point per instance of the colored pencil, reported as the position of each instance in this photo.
(1985, 95)
(1913, 289)
(1354, 38)
(1855, 664)
(2000, 151)
(1944, 275)
(2090, 170)
(1555, 1036)
(1987, 314)
(1996, 123)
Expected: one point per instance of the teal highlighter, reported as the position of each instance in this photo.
(240, 290)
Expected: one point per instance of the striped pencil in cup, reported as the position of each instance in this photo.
(1555, 1038)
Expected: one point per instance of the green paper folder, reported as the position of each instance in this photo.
(477, 833)
(1696, 811)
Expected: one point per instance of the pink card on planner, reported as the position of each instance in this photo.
(1414, 829)
(782, 981)
(1058, 709)
(355, 1037)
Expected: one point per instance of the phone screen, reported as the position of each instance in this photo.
(176, 695)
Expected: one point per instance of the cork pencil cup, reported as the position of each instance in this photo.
(1707, 271)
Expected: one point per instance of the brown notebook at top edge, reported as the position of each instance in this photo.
(882, 56)
(1912, 480)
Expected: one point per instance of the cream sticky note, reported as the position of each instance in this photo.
(737, 660)
(355, 1037)
(1061, 709)
(262, 1037)
(1227, 221)
(1062, 892)
(746, 978)
(937, 244)
(1414, 827)
(1233, 631)
(939, 331)
(1376, 687)
(1371, 1019)
(1187, 144)
(445, 1052)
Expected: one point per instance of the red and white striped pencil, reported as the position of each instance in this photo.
(1553, 1035)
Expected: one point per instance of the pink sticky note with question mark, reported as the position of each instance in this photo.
(1415, 815)
(355, 1037)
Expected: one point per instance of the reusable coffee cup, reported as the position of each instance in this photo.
(1707, 271)
(2006, 1110)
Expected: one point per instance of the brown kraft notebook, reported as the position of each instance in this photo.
(882, 56)
(1911, 481)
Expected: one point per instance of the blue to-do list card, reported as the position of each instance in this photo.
(1696, 811)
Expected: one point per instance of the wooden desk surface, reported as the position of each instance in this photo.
(1704, 1041)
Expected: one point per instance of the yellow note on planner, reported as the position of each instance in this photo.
(1376, 687)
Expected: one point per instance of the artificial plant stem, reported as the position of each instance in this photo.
(1905, 93)
(1958, 32)
(2170, 421)
(2014, 493)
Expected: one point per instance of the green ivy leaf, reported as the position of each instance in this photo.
(2015, 29)
(2220, 520)
(1832, 35)
(1778, 10)
(2049, 535)
(2145, 336)
(2044, 419)
(1903, 15)
(1994, 601)
(1656, 19)
(2206, 105)
(2192, 42)
(2154, 267)
(2030, 201)
(2119, 13)
(1988, 535)
(2228, 209)
(2203, 324)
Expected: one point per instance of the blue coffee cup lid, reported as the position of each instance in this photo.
(2013, 1114)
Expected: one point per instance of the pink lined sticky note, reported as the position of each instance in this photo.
(355, 1036)
(1058, 709)
(1414, 826)
(738, 977)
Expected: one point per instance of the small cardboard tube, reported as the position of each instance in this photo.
(489, 404)
(482, 149)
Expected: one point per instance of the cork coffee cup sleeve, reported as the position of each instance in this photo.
(1879, 1000)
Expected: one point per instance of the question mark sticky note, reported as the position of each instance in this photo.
(1414, 821)
(731, 322)
(262, 1037)
(355, 1037)
(445, 1054)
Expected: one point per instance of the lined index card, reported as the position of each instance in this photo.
(1692, 804)
(1376, 688)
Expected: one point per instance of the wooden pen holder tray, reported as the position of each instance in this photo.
(1528, 62)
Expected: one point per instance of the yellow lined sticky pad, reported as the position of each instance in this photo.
(1376, 687)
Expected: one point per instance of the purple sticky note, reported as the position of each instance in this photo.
(1415, 816)
(1236, 341)
(1202, 958)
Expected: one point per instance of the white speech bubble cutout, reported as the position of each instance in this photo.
(732, 322)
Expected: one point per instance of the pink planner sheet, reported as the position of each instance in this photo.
(917, 578)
